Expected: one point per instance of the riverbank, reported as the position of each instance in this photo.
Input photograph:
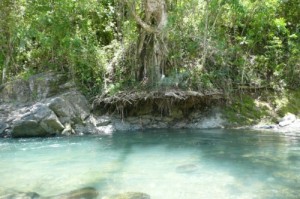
(50, 104)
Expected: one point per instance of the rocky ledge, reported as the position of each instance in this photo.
(49, 104)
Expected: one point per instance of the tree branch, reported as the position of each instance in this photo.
(143, 24)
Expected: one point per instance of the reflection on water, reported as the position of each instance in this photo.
(169, 164)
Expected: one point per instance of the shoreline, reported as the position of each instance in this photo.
(49, 104)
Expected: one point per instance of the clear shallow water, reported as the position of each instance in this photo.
(169, 164)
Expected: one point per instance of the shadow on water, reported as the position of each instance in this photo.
(271, 159)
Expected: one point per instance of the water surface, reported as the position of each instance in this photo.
(169, 164)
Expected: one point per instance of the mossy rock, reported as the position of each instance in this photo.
(244, 111)
(176, 113)
(15, 91)
(46, 85)
(36, 87)
(269, 106)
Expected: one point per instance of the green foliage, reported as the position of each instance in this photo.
(244, 111)
(247, 109)
(211, 45)
(26, 74)
(62, 35)
(289, 103)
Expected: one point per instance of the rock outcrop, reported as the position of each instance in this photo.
(45, 105)
(37, 87)
(36, 120)
(49, 104)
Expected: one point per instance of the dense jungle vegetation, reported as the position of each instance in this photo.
(112, 45)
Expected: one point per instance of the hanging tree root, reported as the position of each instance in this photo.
(124, 103)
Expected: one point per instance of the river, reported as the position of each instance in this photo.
(168, 164)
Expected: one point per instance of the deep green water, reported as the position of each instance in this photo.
(166, 164)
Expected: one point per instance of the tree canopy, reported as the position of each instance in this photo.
(110, 45)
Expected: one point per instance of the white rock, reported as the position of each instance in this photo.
(215, 121)
(287, 120)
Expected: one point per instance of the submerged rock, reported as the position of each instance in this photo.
(130, 195)
(20, 195)
(84, 193)
(187, 168)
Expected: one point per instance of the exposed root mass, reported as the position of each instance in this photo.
(133, 103)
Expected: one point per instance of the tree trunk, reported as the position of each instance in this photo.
(151, 47)
(203, 59)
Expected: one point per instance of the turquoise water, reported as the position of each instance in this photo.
(168, 164)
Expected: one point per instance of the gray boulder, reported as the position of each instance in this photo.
(63, 109)
(35, 121)
(15, 91)
(45, 85)
(52, 124)
(3, 126)
(45, 104)
(38, 87)
(79, 104)
(71, 107)
(28, 128)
